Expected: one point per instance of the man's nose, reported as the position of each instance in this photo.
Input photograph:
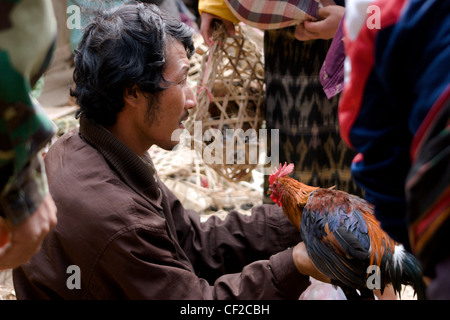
(191, 99)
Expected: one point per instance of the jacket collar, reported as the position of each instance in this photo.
(138, 173)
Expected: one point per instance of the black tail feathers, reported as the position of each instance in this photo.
(405, 269)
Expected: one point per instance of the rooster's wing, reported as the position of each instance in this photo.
(336, 236)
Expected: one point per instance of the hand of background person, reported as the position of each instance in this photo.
(206, 26)
(324, 28)
(25, 239)
(305, 265)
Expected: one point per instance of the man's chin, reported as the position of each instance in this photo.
(169, 146)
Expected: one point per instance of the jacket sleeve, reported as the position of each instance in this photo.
(24, 127)
(242, 257)
(24, 193)
(140, 263)
(216, 246)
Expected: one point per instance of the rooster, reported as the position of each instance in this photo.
(343, 238)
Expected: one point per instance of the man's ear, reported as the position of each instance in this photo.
(132, 95)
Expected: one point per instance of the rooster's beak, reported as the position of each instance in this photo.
(269, 192)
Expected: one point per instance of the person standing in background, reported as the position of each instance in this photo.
(296, 104)
(395, 111)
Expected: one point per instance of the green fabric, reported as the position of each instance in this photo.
(27, 41)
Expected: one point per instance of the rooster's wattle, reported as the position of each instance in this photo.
(343, 238)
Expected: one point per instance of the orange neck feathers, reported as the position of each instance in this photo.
(294, 197)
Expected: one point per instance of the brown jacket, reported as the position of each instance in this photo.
(132, 239)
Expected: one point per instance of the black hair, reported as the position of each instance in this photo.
(122, 47)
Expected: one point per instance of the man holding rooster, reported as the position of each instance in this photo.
(124, 229)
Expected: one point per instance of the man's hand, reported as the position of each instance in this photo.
(26, 238)
(324, 28)
(206, 27)
(304, 264)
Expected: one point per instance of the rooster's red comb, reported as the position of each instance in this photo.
(281, 172)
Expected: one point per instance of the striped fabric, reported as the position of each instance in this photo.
(428, 185)
(273, 14)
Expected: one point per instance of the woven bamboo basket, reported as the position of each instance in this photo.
(230, 96)
(200, 187)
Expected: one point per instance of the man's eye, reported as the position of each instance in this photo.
(183, 81)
